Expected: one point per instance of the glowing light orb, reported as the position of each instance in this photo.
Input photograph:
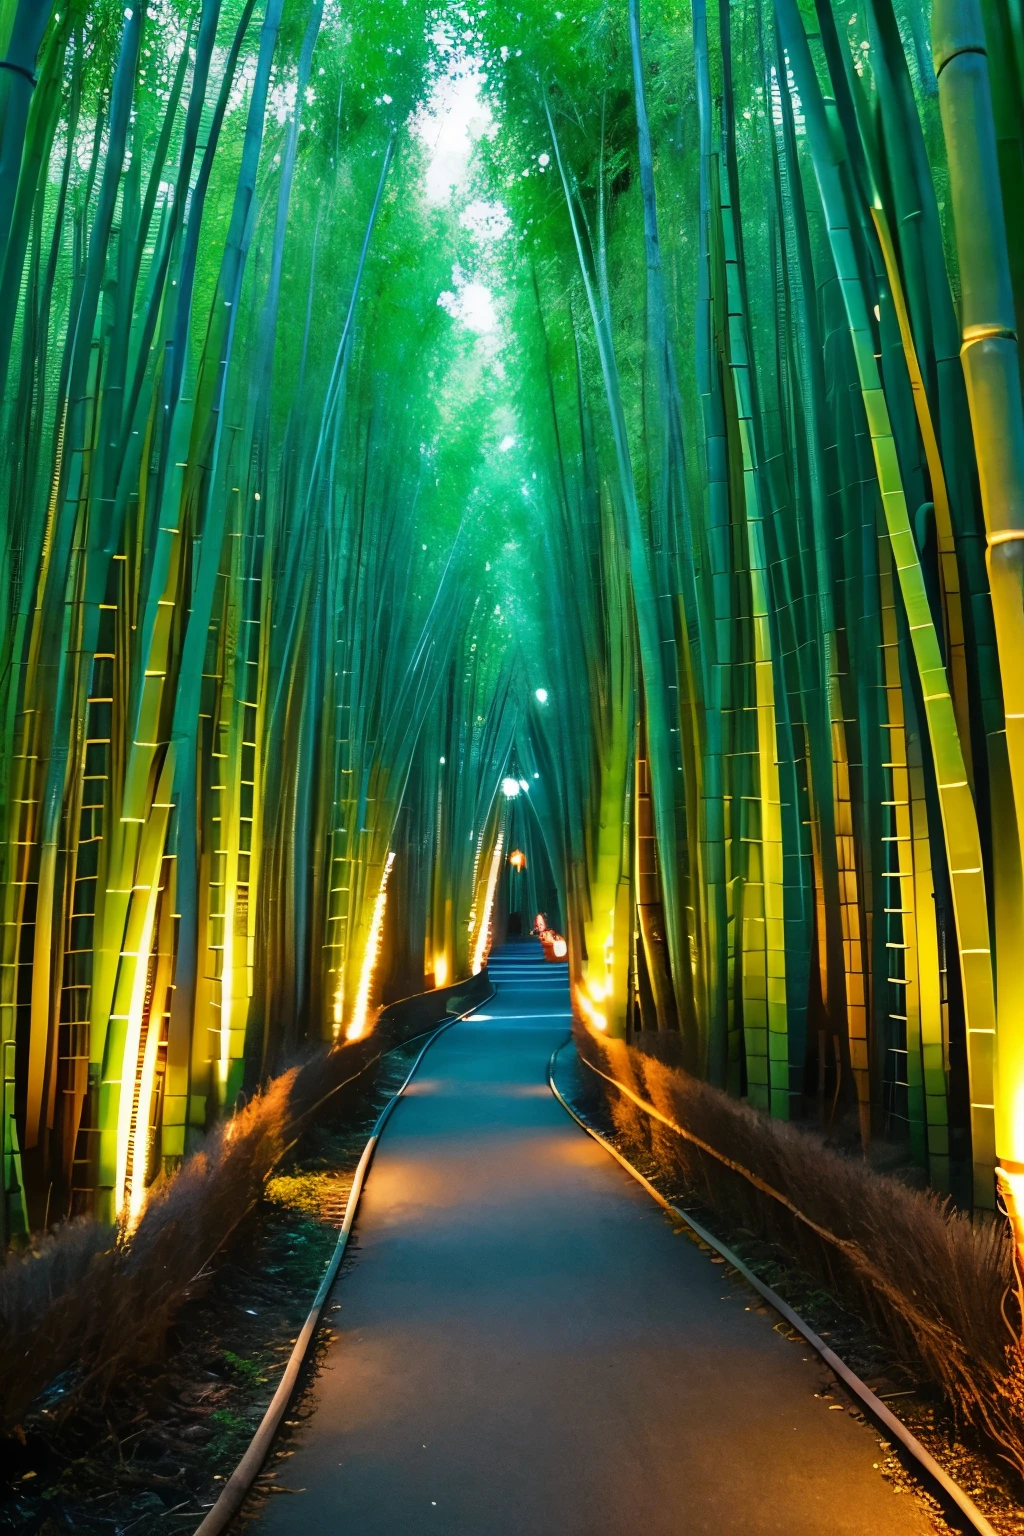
(541, 695)
(555, 947)
(510, 788)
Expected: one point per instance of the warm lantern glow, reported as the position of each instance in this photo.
(555, 947)
(440, 970)
(599, 981)
(517, 858)
(595, 1019)
(138, 1192)
(1010, 1183)
(132, 1144)
(357, 1023)
(483, 937)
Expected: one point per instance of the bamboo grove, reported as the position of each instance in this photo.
(696, 576)
(239, 602)
(764, 290)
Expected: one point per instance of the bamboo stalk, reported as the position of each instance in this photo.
(958, 814)
(991, 369)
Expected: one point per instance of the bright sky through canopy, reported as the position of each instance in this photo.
(450, 124)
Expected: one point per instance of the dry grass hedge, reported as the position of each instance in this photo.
(92, 1302)
(87, 1298)
(940, 1286)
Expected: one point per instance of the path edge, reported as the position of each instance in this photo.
(239, 1484)
(875, 1406)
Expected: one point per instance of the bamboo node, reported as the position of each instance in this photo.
(954, 53)
(975, 333)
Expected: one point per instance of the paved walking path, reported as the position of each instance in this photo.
(526, 1348)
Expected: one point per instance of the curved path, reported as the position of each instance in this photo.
(526, 1349)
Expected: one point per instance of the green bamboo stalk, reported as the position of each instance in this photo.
(959, 820)
(17, 84)
(644, 600)
(992, 371)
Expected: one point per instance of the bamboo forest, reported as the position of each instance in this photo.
(498, 498)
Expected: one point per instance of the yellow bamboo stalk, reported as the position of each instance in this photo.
(934, 1005)
(765, 1015)
(913, 888)
(219, 993)
(121, 1059)
(483, 933)
(949, 571)
(605, 937)
(956, 802)
(606, 928)
(138, 1172)
(991, 363)
(145, 742)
